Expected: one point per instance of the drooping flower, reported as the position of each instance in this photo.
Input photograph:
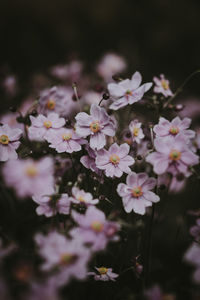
(94, 229)
(58, 100)
(104, 274)
(89, 160)
(42, 127)
(136, 193)
(136, 131)
(176, 126)
(65, 140)
(81, 197)
(51, 204)
(162, 86)
(115, 161)
(29, 177)
(172, 155)
(69, 256)
(9, 142)
(96, 125)
(127, 91)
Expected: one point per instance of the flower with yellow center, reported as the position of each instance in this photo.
(175, 155)
(47, 124)
(67, 259)
(136, 131)
(102, 270)
(97, 226)
(174, 130)
(31, 171)
(137, 191)
(114, 159)
(51, 104)
(4, 140)
(164, 84)
(94, 126)
(67, 136)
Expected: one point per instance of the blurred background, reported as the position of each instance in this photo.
(154, 36)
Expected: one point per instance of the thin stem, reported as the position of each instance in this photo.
(76, 95)
(180, 88)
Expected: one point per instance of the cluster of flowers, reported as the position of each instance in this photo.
(102, 144)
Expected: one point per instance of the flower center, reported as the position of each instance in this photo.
(164, 84)
(136, 131)
(174, 130)
(97, 226)
(51, 104)
(4, 139)
(114, 159)
(102, 270)
(94, 126)
(67, 136)
(67, 259)
(47, 124)
(31, 171)
(175, 155)
(81, 199)
(129, 93)
(137, 191)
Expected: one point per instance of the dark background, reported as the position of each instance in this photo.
(154, 35)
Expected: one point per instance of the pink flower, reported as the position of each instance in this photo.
(81, 197)
(195, 230)
(94, 229)
(58, 100)
(176, 126)
(104, 274)
(9, 142)
(69, 256)
(42, 126)
(127, 91)
(96, 125)
(89, 160)
(136, 194)
(192, 256)
(115, 161)
(51, 204)
(110, 64)
(29, 177)
(172, 155)
(162, 86)
(65, 140)
(136, 131)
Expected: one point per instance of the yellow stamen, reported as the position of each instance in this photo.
(175, 155)
(114, 159)
(102, 270)
(136, 131)
(97, 226)
(4, 139)
(164, 84)
(67, 259)
(47, 124)
(51, 104)
(174, 130)
(31, 171)
(81, 199)
(94, 126)
(137, 191)
(67, 136)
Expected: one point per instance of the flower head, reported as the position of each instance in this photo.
(104, 274)
(136, 131)
(127, 91)
(136, 193)
(115, 161)
(81, 197)
(162, 86)
(96, 125)
(9, 142)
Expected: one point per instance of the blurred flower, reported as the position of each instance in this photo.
(115, 161)
(50, 205)
(136, 131)
(155, 293)
(195, 230)
(192, 256)
(162, 86)
(29, 177)
(69, 256)
(104, 274)
(9, 142)
(127, 91)
(94, 229)
(172, 155)
(136, 194)
(176, 126)
(10, 85)
(71, 71)
(42, 127)
(65, 140)
(89, 160)
(110, 65)
(81, 197)
(98, 124)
